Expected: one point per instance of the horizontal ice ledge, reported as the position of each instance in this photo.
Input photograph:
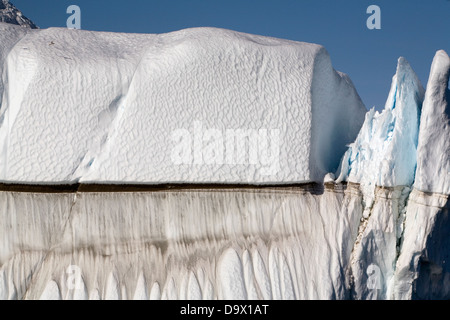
(200, 105)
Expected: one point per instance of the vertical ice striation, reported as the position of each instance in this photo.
(423, 267)
(402, 249)
(289, 243)
(433, 160)
(382, 161)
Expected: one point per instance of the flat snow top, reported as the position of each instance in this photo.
(196, 105)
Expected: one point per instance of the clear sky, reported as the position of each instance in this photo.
(415, 29)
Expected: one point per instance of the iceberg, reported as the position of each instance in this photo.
(385, 151)
(201, 105)
(211, 164)
(382, 161)
(433, 160)
(422, 270)
(403, 236)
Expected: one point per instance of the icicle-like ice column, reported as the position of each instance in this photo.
(402, 248)
(423, 267)
(282, 243)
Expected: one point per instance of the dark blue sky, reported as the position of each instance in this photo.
(415, 29)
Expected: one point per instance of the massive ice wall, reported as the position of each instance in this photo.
(423, 269)
(433, 161)
(197, 105)
(384, 153)
(87, 107)
(402, 166)
(269, 243)
(382, 161)
(93, 107)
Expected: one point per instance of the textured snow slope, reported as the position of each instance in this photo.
(197, 105)
(10, 35)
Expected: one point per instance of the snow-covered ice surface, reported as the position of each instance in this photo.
(196, 105)
(89, 107)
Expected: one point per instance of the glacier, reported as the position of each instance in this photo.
(93, 205)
